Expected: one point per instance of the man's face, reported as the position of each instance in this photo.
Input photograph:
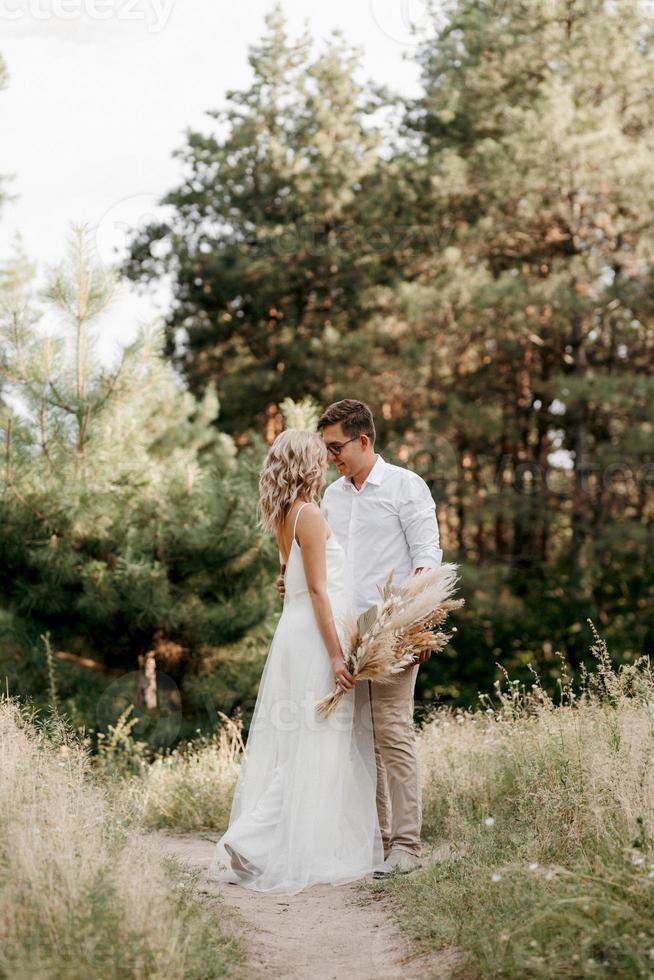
(352, 455)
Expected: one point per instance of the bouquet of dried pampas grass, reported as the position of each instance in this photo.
(407, 623)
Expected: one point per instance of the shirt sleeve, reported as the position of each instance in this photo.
(417, 513)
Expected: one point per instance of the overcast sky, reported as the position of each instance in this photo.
(99, 95)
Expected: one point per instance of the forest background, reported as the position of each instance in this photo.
(476, 264)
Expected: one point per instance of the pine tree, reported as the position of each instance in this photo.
(267, 247)
(127, 519)
(529, 329)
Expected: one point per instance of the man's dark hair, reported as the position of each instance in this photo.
(355, 418)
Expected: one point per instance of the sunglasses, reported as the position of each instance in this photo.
(336, 448)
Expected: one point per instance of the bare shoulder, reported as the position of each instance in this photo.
(311, 525)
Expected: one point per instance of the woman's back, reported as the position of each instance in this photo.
(295, 580)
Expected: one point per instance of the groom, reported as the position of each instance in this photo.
(384, 517)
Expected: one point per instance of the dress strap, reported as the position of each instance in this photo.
(299, 511)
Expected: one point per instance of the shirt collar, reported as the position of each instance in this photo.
(375, 476)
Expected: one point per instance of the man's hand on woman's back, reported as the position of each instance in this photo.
(280, 581)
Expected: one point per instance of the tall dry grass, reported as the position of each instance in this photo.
(188, 788)
(81, 895)
(548, 811)
(546, 805)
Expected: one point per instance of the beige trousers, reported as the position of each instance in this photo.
(399, 806)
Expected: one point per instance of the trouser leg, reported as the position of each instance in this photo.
(383, 801)
(395, 742)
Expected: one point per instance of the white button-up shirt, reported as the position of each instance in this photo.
(389, 524)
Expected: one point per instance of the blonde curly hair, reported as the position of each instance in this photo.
(294, 467)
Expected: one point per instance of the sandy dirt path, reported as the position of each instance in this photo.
(324, 933)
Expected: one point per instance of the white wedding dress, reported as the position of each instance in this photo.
(304, 809)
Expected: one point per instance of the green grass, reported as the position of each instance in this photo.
(550, 814)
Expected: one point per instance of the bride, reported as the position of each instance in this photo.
(304, 808)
